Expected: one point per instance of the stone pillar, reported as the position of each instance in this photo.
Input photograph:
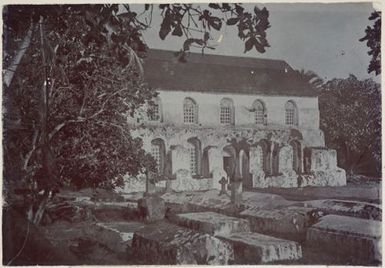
(286, 159)
(236, 192)
(180, 158)
(256, 154)
(256, 166)
(215, 159)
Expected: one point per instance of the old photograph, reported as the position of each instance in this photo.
(192, 134)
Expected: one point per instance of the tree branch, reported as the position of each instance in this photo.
(10, 71)
(34, 147)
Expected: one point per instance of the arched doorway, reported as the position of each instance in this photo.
(229, 160)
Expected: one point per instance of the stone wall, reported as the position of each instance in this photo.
(318, 165)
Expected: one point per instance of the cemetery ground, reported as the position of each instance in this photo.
(310, 225)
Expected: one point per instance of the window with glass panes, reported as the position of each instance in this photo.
(189, 111)
(290, 114)
(225, 117)
(259, 113)
(193, 160)
(226, 114)
(156, 154)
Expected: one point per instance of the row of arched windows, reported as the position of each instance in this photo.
(227, 111)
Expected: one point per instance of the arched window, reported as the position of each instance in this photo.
(227, 112)
(190, 111)
(194, 148)
(291, 113)
(259, 113)
(155, 110)
(158, 152)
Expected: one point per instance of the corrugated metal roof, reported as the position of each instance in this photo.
(215, 73)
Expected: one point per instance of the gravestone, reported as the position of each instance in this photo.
(150, 184)
(151, 208)
(223, 183)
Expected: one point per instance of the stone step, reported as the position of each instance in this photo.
(254, 248)
(163, 243)
(353, 238)
(212, 223)
(116, 236)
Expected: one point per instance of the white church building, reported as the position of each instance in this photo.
(216, 116)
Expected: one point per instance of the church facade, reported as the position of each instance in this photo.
(239, 118)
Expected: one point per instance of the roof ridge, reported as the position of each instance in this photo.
(207, 56)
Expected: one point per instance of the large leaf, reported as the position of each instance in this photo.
(165, 27)
(232, 21)
(249, 44)
(177, 30)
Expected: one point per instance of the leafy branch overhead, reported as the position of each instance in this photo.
(196, 23)
(373, 41)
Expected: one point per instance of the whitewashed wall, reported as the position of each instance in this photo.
(209, 108)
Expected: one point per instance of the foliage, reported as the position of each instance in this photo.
(196, 23)
(70, 89)
(310, 79)
(373, 41)
(351, 119)
(93, 85)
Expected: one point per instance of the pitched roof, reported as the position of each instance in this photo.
(222, 74)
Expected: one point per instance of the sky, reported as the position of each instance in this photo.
(319, 37)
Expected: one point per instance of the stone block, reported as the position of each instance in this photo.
(180, 158)
(330, 177)
(161, 184)
(212, 223)
(350, 238)
(151, 208)
(167, 244)
(289, 222)
(133, 184)
(357, 209)
(116, 236)
(320, 159)
(285, 180)
(184, 182)
(254, 248)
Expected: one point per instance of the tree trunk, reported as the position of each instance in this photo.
(10, 71)
(348, 160)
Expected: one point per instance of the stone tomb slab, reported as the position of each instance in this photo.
(352, 238)
(254, 248)
(165, 244)
(212, 223)
(288, 222)
(117, 236)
